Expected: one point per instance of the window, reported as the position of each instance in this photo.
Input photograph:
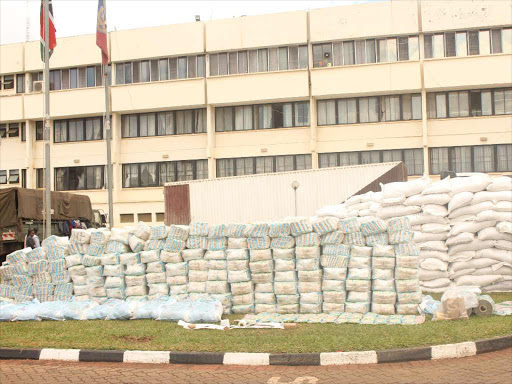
(473, 43)
(82, 77)
(201, 66)
(322, 55)
(414, 53)
(72, 130)
(182, 68)
(157, 174)
(145, 71)
(55, 83)
(20, 83)
(449, 44)
(136, 72)
(303, 56)
(80, 178)
(160, 216)
(504, 157)
(14, 130)
(233, 63)
(223, 63)
(479, 158)
(73, 78)
(40, 178)
(3, 177)
(412, 158)
(23, 132)
(126, 217)
(14, 176)
(470, 103)
(496, 41)
(192, 66)
(163, 123)
(369, 109)
(262, 60)
(128, 78)
(403, 48)
(506, 40)
(348, 53)
(258, 165)
(266, 116)
(91, 77)
(39, 130)
(146, 217)
(65, 79)
(3, 130)
(23, 178)
(8, 81)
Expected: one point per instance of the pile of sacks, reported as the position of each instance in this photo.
(39, 273)
(462, 226)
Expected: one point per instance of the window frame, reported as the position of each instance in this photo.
(84, 135)
(14, 174)
(66, 181)
(231, 164)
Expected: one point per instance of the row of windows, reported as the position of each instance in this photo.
(265, 164)
(464, 43)
(369, 109)
(13, 130)
(412, 158)
(259, 60)
(365, 51)
(71, 78)
(469, 103)
(161, 69)
(479, 158)
(79, 178)
(157, 174)
(145, 217)
(84, 129)
(164, 123)
(14, 176)
(263, 116)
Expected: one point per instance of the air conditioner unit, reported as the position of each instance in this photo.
(37, 87)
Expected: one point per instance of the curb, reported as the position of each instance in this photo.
(447, 351)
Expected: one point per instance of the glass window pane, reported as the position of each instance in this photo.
(392, 50)
(182, 67)
(228, 119)
(223, 63)
(192, 66)
(253, 61)
(449, 41)
(233, 63)
(120, 73)
(438, 44)
(484, 42)
(201, 66)
(214, 64)
(73, 78)
(128, 73)
(440, 105)
(453, 102)
(416, 107)
(273, 59)
(438, 160)
(496, 41)
(391, 108)
(508, 101)
(318, 60)
(383, 50)
(173, 68)
(144, 71)
(483, 158)
(348, 53)
(294, 57)
(143, 125)
(371, 56)
(262, 60)
(373, 109)
(283, 58)
(133, 126)
(461, 43)
(506, 40)
(473, 44)
(427, 41)
(163, 69)
(264, 116)
(65, 78)
(363, 110)
(403, 48)
(407, 107)
(499, 102)
(136, 71)
(360, 52)
(242, 62)
(303, 56)
(463, 104)
(413, 48)
(338, 53)
(154, 71)
(287, 115)
(504, 155)
(461, 159)
(476, 103)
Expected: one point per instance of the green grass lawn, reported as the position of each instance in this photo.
(158, 335)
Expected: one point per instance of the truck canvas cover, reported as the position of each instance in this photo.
(20, 203)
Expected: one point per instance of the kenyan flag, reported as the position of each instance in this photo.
(51, 38)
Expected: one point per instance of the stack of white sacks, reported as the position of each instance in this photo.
(261, 266)
(334, 272)
(239, 276)
(217, 286)
(285, 274)
(307, 253)
(130, 262)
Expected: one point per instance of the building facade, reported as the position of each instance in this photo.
(425, 82)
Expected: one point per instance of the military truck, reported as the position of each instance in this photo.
(21, 209)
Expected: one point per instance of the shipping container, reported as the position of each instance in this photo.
(266, 197)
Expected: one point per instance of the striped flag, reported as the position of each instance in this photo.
(52, 40)
(101, 31)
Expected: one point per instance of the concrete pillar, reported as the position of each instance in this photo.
(116, 158)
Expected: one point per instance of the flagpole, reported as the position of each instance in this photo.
(109, 152)
(48, 200)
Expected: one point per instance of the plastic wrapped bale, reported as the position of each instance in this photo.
(309, 277)
(217, 276)
(283, 242)
(35, 254)
(217, 244)
(155, 245)
(80, 236)
(279, 229)
(117, 247)
(300, 227)
(332, 238)
(256, 230)
(191, 311)
(136, 244)
(350, 225)
(354, 238)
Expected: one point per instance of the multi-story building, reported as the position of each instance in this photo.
(425, 82)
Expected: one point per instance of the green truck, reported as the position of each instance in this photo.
(21, 209)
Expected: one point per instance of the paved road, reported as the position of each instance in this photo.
(488, 368)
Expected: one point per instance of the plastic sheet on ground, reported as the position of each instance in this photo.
(336, 318)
